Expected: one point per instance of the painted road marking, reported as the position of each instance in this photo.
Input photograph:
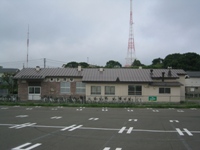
(21, 147)
(124, 128)
(71, 128)
(130, 110)
(171, 108)
(155, 110)
(105, 109)
(149, 108)
(181, 132)
(133, 120)
(68, 127)
(180, 111)
(22, 125)
(37, 106)
(54, 109)
(93, 119)
(22, 116)
(16, 106)
(4, 108)
(130, 130)
(174, 121)
(29, 108)
(188, 132)
(193, 108)
(108, 148)
(56, 117)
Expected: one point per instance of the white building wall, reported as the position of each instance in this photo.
(121, 90)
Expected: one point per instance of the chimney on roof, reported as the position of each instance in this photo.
(101, 69)
(151, 72)
(79, 68)
(169, 71)
(163, 76)
(37, 68)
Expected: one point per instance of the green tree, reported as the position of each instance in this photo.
(72, 64)
(84, 64)
(157, 61)
(113, 64)
(137, 63)
(9, 83)
(172, 60)
(188, 61)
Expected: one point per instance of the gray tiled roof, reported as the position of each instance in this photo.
(94, 75)
(194, 74)
(8, 70)
(166, 84)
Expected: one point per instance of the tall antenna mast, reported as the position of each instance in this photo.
(27, 46)
(131, 46)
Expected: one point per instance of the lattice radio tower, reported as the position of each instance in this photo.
(131, 46)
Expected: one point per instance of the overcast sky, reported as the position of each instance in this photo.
(95, 31)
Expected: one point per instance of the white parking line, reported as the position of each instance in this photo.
(179, 132)
(104, 109)
(155, 110)
(174, 121)
(22, 116)
(122, 129)
(26, 144)
(129, 130)
(68, 127)
(72, 129)
(108, 148)
(180, 111)
(95, 119)
(22, 125)
(188, 132)
(133, 120)
(4, 108)
(56, 117)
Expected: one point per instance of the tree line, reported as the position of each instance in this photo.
(188, 61)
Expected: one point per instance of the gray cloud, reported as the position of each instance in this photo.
(95, 30)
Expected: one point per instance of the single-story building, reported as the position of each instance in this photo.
(192, 84)
(122, 84)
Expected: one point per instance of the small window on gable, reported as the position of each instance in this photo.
(58, 79)
(65, 79)
(51, 79)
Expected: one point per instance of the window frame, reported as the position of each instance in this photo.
(135, 90)
(109, 90)
(164, 90)
(80, 87)
(65, 87)
(95, 90)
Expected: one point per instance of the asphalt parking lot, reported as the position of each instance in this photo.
(70, 128)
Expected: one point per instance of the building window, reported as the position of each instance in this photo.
(109, 90)
(51, 79)
(96, 90)
(80, 88)
(34, 90)
(164, 90)
(65, 87)
(134, 90)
